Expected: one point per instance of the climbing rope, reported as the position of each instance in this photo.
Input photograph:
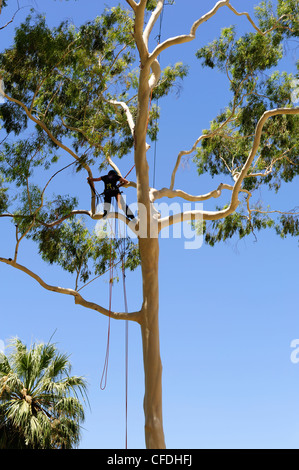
(126, 340)
(103, 382)
(129, 171)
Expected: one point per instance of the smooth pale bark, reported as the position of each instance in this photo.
(154, 434)
(133, 316)
(149, 247)
(149, 254)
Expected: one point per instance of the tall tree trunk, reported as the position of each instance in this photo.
(149, 253)
(154, 435)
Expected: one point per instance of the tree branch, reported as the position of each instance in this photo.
(127, 112)
(138, 31)
(263, 33)
(110, 215)
(274, 212)
(269, 169)
(187, 37)
(48, 132)
(258, 133)
(170, 193)
(165, 192)
(21, 238)
(152, 83)
(56, 141)
(132, 4)
(153, 18)
(179, 157)
(216, 215)
(134, 316)
(235, 105)
(155, 77)
(50, 224)
(12, 19)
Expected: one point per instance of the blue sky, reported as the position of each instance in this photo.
(228, 314)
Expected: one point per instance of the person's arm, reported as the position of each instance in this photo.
(122, 181)
(94, 179)
(90, 181)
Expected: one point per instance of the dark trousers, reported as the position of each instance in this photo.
(108, 195)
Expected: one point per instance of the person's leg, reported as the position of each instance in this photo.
(107, 203)
(122, 205)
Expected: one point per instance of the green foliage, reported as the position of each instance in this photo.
(249, 64)
(151, 4)
(131, 255)
(62, 73)
(3, 199)
(71, 246)
(288, 225)
(81, 252)
(238, 224)
(39, 405)
(169, 80)
(66, 77)
(19, 159)
(287, 12)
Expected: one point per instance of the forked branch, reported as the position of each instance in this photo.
(13, 17)
(154, 17)
(134, 316)
(172, 193)
(132, 4)
(236, 189)
(187, 37)
(181, 39)
(45, 128)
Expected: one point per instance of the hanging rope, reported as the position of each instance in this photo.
(129, 171)
(103, 382)
(126, 340)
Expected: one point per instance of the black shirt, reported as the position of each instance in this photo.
(110, 182)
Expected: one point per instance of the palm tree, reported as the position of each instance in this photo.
(39, 405)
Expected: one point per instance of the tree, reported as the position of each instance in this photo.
(82, 85)
(39, 404)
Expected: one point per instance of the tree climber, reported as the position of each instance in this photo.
(113, 181)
